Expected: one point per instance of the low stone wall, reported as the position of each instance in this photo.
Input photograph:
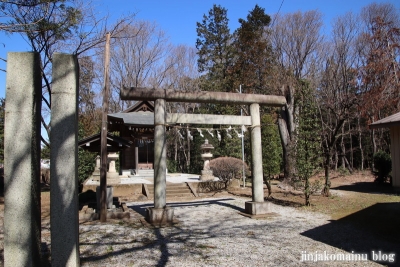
(120, 190)
(133, 191)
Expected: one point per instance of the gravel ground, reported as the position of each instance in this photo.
(211, 232)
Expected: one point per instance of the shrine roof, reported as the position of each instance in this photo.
(143, 118)
(390, 121)
(140, 106)
(114, 143)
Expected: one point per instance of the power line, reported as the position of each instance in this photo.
(277, 13)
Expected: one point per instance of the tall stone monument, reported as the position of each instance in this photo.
(22, 221)
(64, 218)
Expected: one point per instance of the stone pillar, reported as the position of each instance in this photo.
(136, 159)
(64, 161)
(109, 197)
(22, 222)
(160, 214)
(257, 205)
(256, 154)
(160, 163)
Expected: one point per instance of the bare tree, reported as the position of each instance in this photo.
(296, 38)
(337, 91)
(10, 9)
(379, 49)
(69, 26)
(89, 101)
(147, 59)
(140, 60)
(183, 76)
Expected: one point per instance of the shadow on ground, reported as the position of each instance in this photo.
(369, 187)
(375, 228)
(141, 208)
(161, 240)
(276, 198)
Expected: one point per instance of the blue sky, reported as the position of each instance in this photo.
(178, 17)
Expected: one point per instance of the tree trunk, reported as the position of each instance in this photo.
(351, 148)
(336, 160)
(307, 192)
(360, 143)
(188, 148)
(348, 165)
(287, 131)
(289, 167)
(373, 147)
(343, 149)
(267, 180)
(326, 190)
(176, 150)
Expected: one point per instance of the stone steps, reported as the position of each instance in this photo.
(145, 173)
(173, 190)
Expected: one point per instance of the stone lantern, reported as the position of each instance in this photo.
(96, 172)
(112, 174)
(206, 155)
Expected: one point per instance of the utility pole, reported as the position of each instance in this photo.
(103, 136)
(241, 114)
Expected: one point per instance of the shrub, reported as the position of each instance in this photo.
(227, 169)
(86, 164)
(87, 196)
(343, 171)
(383, 166)
(172, 166)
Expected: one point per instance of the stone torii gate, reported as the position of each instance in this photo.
(161, 213)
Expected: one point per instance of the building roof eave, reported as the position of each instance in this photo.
(390, 121)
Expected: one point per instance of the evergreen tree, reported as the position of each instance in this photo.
(216, 55)
(214, 50)
(272, 149)
(230, 145)
(86, 159)
(45, 152)
(252, 65)
(308, 143)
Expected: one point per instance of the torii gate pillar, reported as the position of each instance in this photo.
(160, 213)
(257, 205)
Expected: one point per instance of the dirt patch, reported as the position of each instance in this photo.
(350, 194)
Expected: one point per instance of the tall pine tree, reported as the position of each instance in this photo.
(215, 50)
(252, 67)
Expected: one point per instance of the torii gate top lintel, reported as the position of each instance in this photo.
(140, 93)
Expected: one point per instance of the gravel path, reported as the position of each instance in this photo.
(211, 232)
